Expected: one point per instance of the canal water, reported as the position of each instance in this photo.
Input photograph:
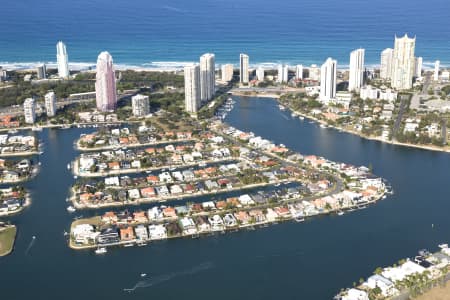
(310, 260)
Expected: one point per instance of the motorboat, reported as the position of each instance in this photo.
(71, 209)
(101, 250)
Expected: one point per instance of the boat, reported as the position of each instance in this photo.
(142, 244)
(281, 107)
(100, 250)
(75, 177)
(34, 237)
(66, 233)
(340, 213)
(443, 246)
(293, 114)
(323, 126)
(143, 274)
(68, 166)
(301, 117)
(13, 131)
(129, 245)
(71, 209)
(34, 128)
(299, 219)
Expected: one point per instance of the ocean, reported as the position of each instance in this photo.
(168, 34)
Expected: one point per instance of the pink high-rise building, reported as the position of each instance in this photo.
(105, 84)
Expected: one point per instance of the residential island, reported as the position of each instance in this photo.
(219, 161)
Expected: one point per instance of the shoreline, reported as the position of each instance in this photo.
(9, 240)
(353, 132)
(22, 208)
(235, 228)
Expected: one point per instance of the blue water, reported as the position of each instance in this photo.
(139, 32)
(310, 260)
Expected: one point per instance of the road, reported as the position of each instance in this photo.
(401, 111)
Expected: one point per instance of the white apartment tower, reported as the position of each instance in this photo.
(140, 105)
(207, 76)
(418, 67)
(227, 72)
(403, 63)
(436, 70)
(192, 88)
(29, 111)
(243, 67)
(299, 72)
(386, 63)
(314, 72)
(283, 73)
(63, 60)
(328, 80)
(260, 74)
(356, 78)
(50, 104)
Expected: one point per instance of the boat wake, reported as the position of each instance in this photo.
(30, 245)
(284, 116)
(155, 280)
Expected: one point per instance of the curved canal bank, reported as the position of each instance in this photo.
(312, 260)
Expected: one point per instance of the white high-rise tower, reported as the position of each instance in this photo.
(243, 67)
(192, 88)
(356, 79)
(386, 63)
(328, 80)
(299, 72)
(436, 70)
(283, 71)
(207, 76)
(62, 59)
(403, 63)
(50, 103)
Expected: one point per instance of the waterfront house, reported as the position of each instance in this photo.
(208, 205)
(134, 194)
(188, 175)
(257, 215)
(242, 217)
(177, 176)
(216, 223)
(169, 212)
(84, 233)
(148, 192)
(176, 189)
(246, 200)
(154, 213)
(162, 191)
(221, 204)
(152, 179)
(136, 164)
(165, 177)
(188, 226)
(196, 208)
(271, 215)
(112, 181)
(141, 233)
(188, 188)
(181, 210)
(229, 220)
(86, 197)
(173, 229)
(196, 155)
(211, 185)
(157, 232)
(140, 217)
(399, 273)
(354, 294)
(202, 224)
(188, 158)
(282, 212)
(233, 202)
(114, 165)
(126, 234)
(385, 285)
(109, 217)
(108, 236)
(10, 175)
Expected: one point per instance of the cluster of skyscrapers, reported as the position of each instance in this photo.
(199, 82)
